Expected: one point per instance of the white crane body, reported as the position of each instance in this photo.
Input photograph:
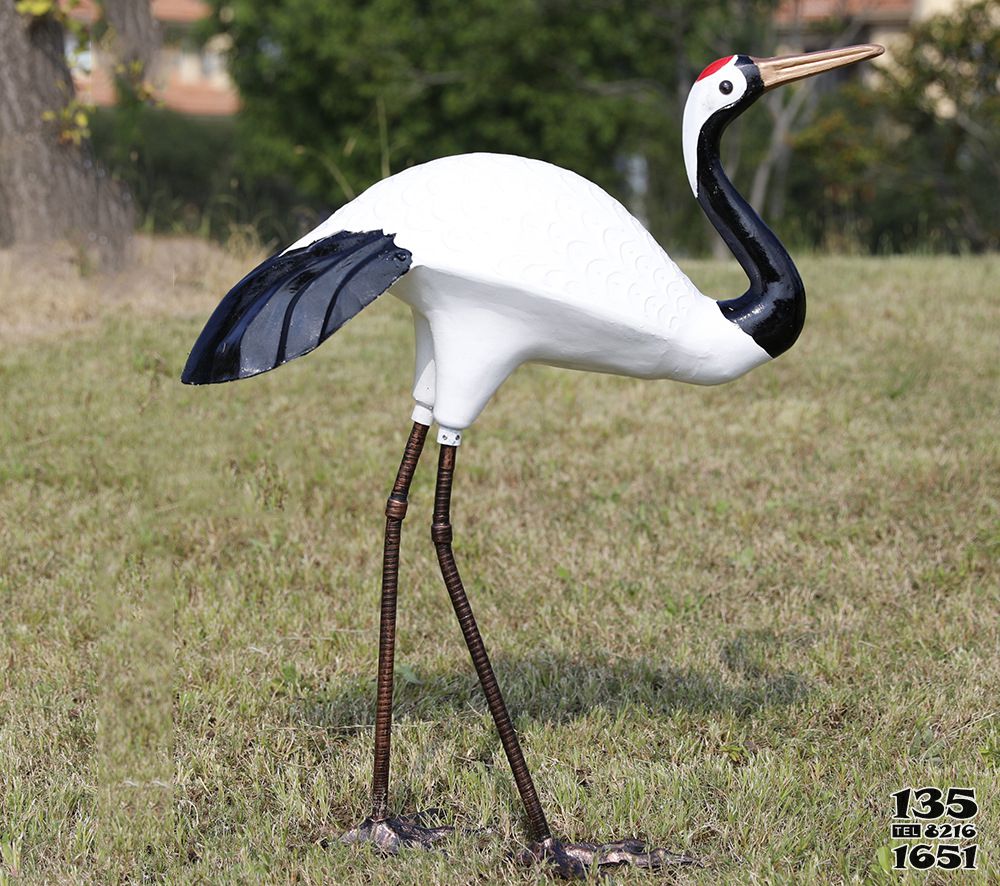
(516, 261)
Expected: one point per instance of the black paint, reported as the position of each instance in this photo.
(292, 303)
(773, 309)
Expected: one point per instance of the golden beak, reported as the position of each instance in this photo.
(786, 68)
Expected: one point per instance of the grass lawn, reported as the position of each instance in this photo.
(731, 620)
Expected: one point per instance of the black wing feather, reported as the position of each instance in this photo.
(292, 303)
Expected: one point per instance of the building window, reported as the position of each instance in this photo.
(81, 57)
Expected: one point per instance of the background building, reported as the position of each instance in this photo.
(189, 77)
(812, 24)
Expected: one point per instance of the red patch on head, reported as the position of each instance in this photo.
(712, 68)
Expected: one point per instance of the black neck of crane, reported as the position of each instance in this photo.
(773, 309)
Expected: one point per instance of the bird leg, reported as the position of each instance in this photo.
(570, 861)
(390, 833)
(441, 534)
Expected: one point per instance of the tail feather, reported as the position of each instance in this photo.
(293, 302)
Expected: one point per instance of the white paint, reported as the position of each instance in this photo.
(422, 414)
(705, 99)
(449, 436)
(516, 261)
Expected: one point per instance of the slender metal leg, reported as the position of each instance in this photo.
(569, 860)
(441, 534)
(390, 833)
(395, 511)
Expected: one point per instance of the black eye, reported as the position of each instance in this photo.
(725, 87)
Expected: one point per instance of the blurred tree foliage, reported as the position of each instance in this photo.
(913, 163)
(186, 175)
(338, 95)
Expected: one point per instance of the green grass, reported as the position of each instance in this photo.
(729, 620)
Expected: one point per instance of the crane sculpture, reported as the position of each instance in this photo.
(505, 260)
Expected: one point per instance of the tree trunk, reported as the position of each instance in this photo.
(50, 189)
(136, 33)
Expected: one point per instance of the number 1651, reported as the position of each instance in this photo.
(946, 855)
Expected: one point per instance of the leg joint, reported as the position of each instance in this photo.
(395, 506)
(441, 533)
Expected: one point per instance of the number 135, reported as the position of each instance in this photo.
(928, 803)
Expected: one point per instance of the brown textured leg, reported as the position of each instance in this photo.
(389, 834)
(570, 861)
(395, 511)
(441, 533)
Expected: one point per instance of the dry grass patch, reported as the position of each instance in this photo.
(46, 292)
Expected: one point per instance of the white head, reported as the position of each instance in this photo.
(728, 86)
(722, 85)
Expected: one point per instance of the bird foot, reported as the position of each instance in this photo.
(389, 835)
(572, 861)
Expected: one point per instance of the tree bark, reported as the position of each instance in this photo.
(134, 32)
(50, 190)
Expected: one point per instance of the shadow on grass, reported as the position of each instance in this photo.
(559, 689)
